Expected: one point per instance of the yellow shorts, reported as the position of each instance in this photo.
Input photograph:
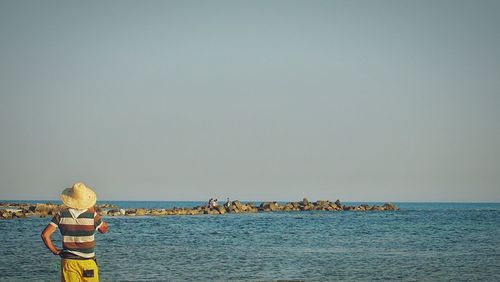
(79, 270)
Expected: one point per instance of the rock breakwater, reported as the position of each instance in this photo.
(23, 210)
(20, 210)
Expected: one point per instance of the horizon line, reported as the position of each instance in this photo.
(346, 201)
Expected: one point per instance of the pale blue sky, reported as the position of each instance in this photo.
(256, 100)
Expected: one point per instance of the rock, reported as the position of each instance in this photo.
(182, 212)
(220, 209)
(338, 203)
(238, 204)
(213, 211)
(42, 214)
(330, 208)
(27, 212)
(288, 207)
(322, 204)
(106, 206)
(116, 212)
(43, 210)
(4, 214)
(365, 207)
(308, 207)
(195, 211)
(269, 206)
(129, 212)
(18, 215)
(237, 207)
(155, 212)
(140, 212)
(253, 209)
(390, 207)
(46, 209)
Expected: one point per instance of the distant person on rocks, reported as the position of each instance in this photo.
(77, 222)
(216, 202)
(210, 203)
(227, 204)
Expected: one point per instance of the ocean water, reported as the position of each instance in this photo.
(422, 242)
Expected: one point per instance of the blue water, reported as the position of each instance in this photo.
(422, 242)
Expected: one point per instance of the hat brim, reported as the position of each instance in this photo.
(68, 199)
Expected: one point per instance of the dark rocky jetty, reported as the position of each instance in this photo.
(22, 210)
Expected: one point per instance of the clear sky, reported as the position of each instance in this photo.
(256, 100)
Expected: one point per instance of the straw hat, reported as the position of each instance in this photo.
(78, 197)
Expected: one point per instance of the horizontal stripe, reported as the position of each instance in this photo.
(75, 227)
(81, 250)
(83, 255)
(76, 213)
(67, 214)
(78, 239)
(79, 221)
(86, 215)
(76, 233)
(79, 246)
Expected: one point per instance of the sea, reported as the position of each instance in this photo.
(421, 242)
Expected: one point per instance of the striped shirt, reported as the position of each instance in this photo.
(78, 231)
